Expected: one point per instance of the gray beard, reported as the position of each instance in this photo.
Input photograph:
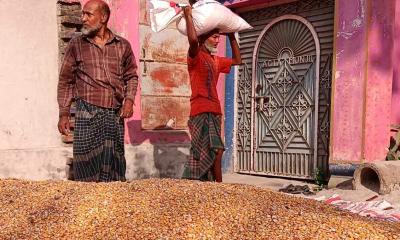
(90, 32)
(210, 48)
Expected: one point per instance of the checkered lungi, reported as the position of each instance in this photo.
(98, 144)
(205, 132)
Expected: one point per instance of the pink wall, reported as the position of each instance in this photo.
(396, 70)
(221, 80)
(348, 85)
(379, 79)
(363, 80)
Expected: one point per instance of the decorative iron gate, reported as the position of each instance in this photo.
(284, 90)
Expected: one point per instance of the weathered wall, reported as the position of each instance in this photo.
(165, 91)
(396, 69)
(69, 23)
(379, 79)
(363, 81)
(30, 145)
(348, 84)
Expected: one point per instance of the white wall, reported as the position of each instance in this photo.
(28, 81)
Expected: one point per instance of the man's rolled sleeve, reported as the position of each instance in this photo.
(130, 76)
(224, 64)
(66, 81)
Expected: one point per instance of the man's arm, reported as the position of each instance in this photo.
(130, 79)
(65, 88)
(191, 32)
(236, 56)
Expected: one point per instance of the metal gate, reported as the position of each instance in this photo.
(284, 90)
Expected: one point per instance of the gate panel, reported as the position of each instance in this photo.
(286, 66)
(281, 115)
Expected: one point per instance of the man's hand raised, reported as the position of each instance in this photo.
(187, 10)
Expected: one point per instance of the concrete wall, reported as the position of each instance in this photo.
(30, 146)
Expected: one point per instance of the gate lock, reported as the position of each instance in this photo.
(260, 101)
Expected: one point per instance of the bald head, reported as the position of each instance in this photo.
(95, 15)
(101, 6)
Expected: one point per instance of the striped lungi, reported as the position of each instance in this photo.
(205, 132)
(98, 144)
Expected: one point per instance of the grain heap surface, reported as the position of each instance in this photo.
(172, 209)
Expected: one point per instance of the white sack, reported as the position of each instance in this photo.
(209, 15)
(162, 13)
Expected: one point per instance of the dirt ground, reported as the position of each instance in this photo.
(340, 185)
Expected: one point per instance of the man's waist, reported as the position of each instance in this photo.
(97, 105)
(104, 101)
(205, 103)
(200, 97)
(102, 82)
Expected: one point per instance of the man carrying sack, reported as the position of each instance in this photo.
(205, 110)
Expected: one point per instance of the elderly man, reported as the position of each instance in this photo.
(99, 71)
(205, 109)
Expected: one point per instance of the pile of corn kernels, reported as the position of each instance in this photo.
(172, 209)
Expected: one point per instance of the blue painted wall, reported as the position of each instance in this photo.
(227, 160)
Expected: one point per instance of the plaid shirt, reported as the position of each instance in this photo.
(102, 77)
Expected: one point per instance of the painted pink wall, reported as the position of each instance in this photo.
(124, 21)
(348, 86)
(396, 70)
(363, 81)
(221, 80)
(379, 79)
